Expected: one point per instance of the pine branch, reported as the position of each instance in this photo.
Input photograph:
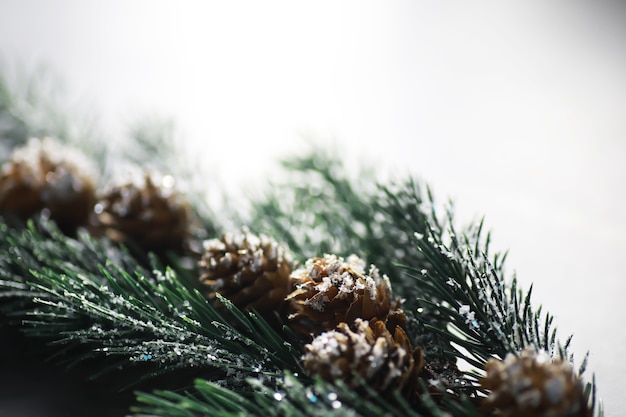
(291, 397)
(94, 294)
(321, 210)
(465, 307)
(90, 299)
(144, 317)
(469, 290)
(481, 315)
(316, 211)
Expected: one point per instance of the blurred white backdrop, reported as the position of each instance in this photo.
(515, 111)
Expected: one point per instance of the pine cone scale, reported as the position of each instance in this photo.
(251, 271)
(144, 212)
(329, 291)
(369, 353)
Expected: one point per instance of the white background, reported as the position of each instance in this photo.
(517, 112)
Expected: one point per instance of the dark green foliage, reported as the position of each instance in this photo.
(455, 290)
(87, 292)
(94, 301)
(290, 398)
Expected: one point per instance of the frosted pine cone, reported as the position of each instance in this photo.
(534, 385)
(329, 291)
(148, 213)
(370, 353)
(45, 176)
(251, 271)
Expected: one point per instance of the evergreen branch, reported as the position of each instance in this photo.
(482, 315)
(290, 397)
(477, 302)
(316, 211)
(211, 400)
(91, 299)
(447, 276)
(321, 210)
(457, 280)
(153, 318)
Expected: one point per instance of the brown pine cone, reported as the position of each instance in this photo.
(251, 271)
(329, 291)
(370, 354)
(48, 177)
(533, 385)
(148, 213)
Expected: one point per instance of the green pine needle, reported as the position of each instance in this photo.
(145, 317)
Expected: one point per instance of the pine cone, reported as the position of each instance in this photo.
(149, 214)
(329, 291)
(533, 385)
(48, 177)
(251, 271)
(370, 354)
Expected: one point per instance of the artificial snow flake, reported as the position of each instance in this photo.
(470, 316)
